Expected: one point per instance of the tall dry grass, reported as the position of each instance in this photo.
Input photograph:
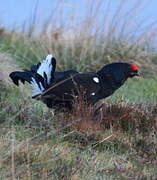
(104, 33)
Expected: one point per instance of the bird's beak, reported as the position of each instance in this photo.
(137, 73)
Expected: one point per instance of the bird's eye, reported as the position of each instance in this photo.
(133, 73)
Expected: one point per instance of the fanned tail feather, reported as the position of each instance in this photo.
(47, 69)
(21, 76)
(40, 76)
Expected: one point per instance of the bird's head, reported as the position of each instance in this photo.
(133, 70)
(119, 72)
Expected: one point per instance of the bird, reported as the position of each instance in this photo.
(58, 90)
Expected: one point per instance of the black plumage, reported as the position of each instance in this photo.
(93, 85)
(59, 89)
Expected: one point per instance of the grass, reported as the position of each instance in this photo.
(137, 90)
(119, 142)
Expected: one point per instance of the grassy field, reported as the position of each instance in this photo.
(120, 143)
(36, 144)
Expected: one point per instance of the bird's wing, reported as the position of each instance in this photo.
(66, 90)
(59, 76)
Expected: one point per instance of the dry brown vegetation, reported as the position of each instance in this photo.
(112, 140)
(118, 117)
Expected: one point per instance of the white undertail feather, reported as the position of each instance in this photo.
(36, 89)
(46, 66)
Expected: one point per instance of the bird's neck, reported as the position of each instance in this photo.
(109, 80)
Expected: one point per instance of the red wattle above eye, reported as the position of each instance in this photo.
(134, 67)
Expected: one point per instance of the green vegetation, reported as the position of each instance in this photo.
(120, 143)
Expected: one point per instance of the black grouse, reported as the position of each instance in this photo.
(58, 89)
